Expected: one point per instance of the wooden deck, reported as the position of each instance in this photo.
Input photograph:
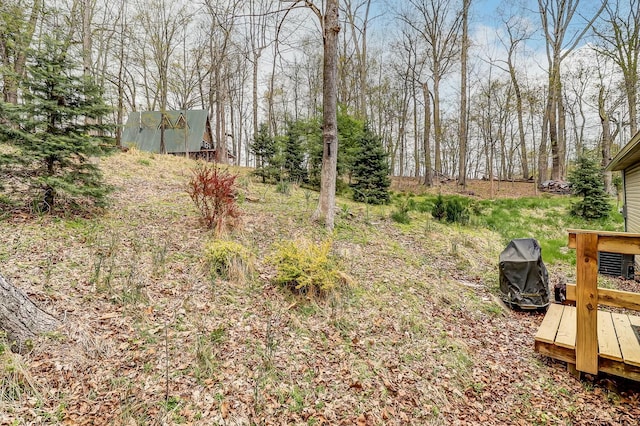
(618, 346)
(592, 339)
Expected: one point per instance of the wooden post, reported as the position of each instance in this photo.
(587, 303)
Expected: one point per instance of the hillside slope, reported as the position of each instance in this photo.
(151, 338)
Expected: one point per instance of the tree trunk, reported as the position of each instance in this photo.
(326, 205)
(462, 171)
(437, 126)
(428, 180)
(543, 159)
(606, 140)
(11, 80)
(20, 318)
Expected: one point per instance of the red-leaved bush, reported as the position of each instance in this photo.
(213, 192)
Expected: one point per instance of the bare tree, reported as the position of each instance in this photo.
(619, 40)
(438, 24)
(330, 22)
(359, 25)
(557, 17)
(162, 22)
(517, 32)
(608, 103)
(578, 84)
(330, 28)
(222, 21)
(426, 135)
(463, 125)
(260, 13)
(18, 19)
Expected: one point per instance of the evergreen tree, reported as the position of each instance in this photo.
(587, 181)
(51, 131)
(294, 154)
(350, 132)
(264, 148)
(370, 170)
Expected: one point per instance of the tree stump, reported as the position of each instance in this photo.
(20, 318)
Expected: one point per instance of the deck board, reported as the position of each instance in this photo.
(629, 345)
(608, 346)
(618, 346)
(566, 336)
(549, 327)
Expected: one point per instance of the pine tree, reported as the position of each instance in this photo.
(51, 131)
(370, 170)
(264, 148)
(587, 181)
(293, 154)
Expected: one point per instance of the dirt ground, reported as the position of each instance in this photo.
(150, 337)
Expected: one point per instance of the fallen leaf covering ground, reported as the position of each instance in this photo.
(474, 188)
(149, 337)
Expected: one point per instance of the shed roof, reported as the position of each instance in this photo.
(627, 156)
(182, 127)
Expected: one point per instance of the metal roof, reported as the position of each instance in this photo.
(183, 127)
(627, 156)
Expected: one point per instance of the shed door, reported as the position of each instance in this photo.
(632, 198)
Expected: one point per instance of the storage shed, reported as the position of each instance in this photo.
(185, 132)
(628, 162)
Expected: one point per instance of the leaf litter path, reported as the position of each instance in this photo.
(150, 338)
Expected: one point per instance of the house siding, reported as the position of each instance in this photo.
(632, 198)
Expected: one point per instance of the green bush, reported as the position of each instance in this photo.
(456, 212)
(307, 267)
(587, 182)
(439, 211)
(229, 260)
(370, 170)
(283, 187)
(401, 214)
(452, 209)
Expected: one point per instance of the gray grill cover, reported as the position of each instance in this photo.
(524, 280)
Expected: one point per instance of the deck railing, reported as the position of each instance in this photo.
(586, 293)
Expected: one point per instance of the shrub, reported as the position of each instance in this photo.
(283, 187)
(401, 214)
(438, 210)
(587, 182)
(213, 192)
(456, 212)
(229, 260)
(307, 267)
(370, 170)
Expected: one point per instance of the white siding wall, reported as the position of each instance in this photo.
(632, 198)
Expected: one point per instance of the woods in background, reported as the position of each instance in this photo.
(449, 91)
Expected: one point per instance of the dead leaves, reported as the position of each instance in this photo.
(224, 409)
(407, 346)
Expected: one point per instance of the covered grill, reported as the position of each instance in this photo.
(524, 280)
